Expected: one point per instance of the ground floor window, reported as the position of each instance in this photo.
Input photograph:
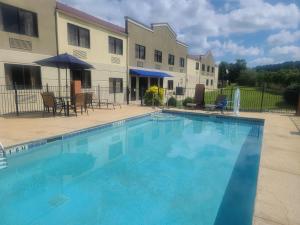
(84, 76)
(115, 85)
(207, 82)
(23, 76)
(212, 82)
(170, 84)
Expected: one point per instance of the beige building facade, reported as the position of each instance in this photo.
(135, 56)
(27, 34)
(202, 69)
(155, 57)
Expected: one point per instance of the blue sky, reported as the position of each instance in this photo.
(260, 31)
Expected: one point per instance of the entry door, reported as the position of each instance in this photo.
(143, 85)
(133, 89)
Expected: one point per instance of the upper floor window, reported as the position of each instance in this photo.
(140, 51)
(212, 69)
(207, 68)
(16, 20)
(203, 67)
(78, 36)
(197, 66)
(115, 45)
(181, 62)
(171, 59)
(23, 77)
(157, 56)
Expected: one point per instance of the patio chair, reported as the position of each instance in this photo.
(49, 101)
(199, 97)
(220, 103)
(89, 100)
(79, 102)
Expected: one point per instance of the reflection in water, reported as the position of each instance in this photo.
(143, 172)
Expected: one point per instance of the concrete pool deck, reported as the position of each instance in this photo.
(278, 190)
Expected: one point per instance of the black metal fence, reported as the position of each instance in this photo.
(16, 100)
(252, 99)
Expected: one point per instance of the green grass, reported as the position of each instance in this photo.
(251, 99)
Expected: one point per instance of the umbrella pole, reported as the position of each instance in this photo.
(66, 81)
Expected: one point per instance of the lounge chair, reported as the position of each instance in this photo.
(199, 97)
(94, 101)
(49, 101)
(220, 103)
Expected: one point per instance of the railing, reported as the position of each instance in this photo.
(16, 100)
(253, 99)
(3, 160)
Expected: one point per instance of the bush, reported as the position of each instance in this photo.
(172, 101)
(291, 94)
(187, 100)
(154, 96)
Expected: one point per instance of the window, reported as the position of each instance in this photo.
(84, 76)
(115, 85)
(170, 84)
(140, 52)
(197, 66)
(18, 20)
(157, 56)
(212, 82)
(171, 59)
(24, 77)
(115, 45)
(181, 62)
(203, 67)
(212, 69)
(207, 68)
(78, 36)
(207, 82)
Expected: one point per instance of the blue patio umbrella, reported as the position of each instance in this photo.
(65, 61)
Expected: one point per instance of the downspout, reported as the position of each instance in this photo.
(57, 50)
(127, 62)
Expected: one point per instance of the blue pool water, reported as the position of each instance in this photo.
(188, 170)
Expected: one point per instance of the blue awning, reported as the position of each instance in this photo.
(148, 73)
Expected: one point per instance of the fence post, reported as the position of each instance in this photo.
(47, 88)
(115, 90)
(127, 95)
(262, 98)
(142, 96)
(16, 99)
(98, 91)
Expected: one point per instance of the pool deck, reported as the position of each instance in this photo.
(278, 192)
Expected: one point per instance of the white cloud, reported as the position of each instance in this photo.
(289, 50)
(284, 37)
(261, 61)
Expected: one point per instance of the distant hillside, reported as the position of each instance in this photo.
(279, 66)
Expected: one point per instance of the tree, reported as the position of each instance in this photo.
(223, 68)
(235, 69)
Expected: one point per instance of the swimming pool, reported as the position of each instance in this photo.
(178, 169)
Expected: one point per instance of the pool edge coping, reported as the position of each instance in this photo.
(25, 146)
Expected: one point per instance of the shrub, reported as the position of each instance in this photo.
(154, 96)
(187, 100)
(247, 78)
(172, 101)
(291, 94)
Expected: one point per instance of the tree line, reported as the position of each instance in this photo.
(279, 75)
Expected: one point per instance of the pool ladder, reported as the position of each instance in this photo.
(3, 160)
